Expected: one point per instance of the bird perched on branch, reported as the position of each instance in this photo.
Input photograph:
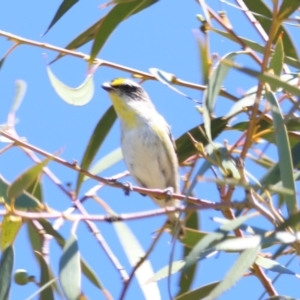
(147, 144)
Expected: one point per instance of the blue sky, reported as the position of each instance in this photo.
(158, 37)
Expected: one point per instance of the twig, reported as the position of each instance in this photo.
(126, 284)
(101, 62)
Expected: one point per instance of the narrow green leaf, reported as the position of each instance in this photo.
(255, 46)
(117, 14)
(287, 8)
(261, 8)
(82, 39)
(86, 269)
(184, 145)
(241, 265)
(24, 201)
(75, 96)
(167, 79)
(239, 243)
(6, 267)
(176, 266)
(134, 252)
(204, 57)
(208, 241)
(274, 266)
(42, 288)
(199, 293)
(63, 8)
(9, 229)
(268, 78)
(284, 153)
(47, 293)
(26, 179)
(21, 88)
(246, 101)
(106, 162)
(35, 237)
(70, 270)
(216, 79)
(185, 282)
(276, 62)
(100, 132)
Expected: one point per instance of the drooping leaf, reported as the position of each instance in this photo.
(257, 47)
(75, 96)
(117, 14)
(45, 277)
(163, 272)
(21, 87)
(167, 79)
(204, 57)
(86, 269)
(216, 79)
(185, 282)
(287, 8)
(100, 132)
(274, 266)
(6, 267)
(134, 253)
(268, 78)
(260, 7)
(211, 239)
(70, 270)
(106, 162)
(276, 63)
(241, 265)
(9, 229)
(184, 145)
(284, 153)
(199, 293)
(26, 179)
(63, 8)
(24, 201)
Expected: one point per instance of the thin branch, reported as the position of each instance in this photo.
(127, 283)
(101, 62)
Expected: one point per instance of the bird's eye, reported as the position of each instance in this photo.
(128, 88)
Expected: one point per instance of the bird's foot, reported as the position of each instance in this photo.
(169, 191)
(127, 187)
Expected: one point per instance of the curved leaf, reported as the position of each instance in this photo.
(117, 14)
(134, 253)
(287, 8)
(46, 293)
(274, 266)
(9, 229)
(260, 7)
(23, 201)
(257, 47)
(63, 8)
(241, 265)
(6, 267)
(106, 162)
(75, 96)
(100, 132)
(284, 153)
(70, 270)
(184, 145)
(26, 179)
(199, 293)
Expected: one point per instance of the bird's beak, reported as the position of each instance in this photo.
(107, 86)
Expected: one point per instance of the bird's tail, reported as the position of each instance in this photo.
(173, 218)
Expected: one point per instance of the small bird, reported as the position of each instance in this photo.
(146, 141)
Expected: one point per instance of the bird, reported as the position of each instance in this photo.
(147, 144)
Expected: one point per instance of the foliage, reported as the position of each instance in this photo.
(267, 113)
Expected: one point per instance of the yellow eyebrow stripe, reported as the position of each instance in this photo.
(117, 82)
